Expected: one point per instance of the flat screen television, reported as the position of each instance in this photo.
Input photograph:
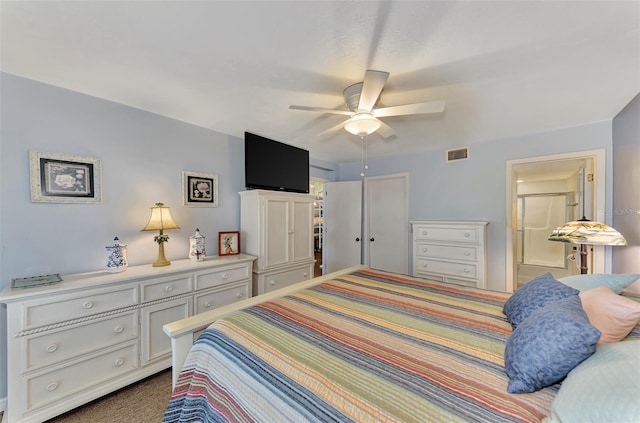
(273, 165)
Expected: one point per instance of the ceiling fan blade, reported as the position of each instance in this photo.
(436, 106)
(385, 131)
(321, 109)
(371, 88)
(333, 129)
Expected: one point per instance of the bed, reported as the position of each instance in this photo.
(354, 346)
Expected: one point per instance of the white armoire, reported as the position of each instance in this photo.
(277, 227)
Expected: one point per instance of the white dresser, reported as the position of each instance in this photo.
(79, 339)
(277, 227)
(450, 251)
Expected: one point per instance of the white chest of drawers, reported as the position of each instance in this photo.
(93, 333)
(450, 251)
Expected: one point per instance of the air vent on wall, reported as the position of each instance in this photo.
(458, 154)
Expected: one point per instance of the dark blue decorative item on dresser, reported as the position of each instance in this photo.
(117, 257)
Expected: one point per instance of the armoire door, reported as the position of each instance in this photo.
(278, 231)
(386, 223)
(342, 225)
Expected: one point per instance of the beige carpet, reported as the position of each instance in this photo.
(142, 402)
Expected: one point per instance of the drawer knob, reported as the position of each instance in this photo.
(118, 329)
(305, 274)
(240, 295)
(424, 232)
(168, 288)
(52, 348)
(466, 270)
(208, 304)
(52, 386)
(87, 305)
(225, 276)
(424, 250)
(467, 234)
(272, 282)
(466, 253)
(119, 362)
(424, 266)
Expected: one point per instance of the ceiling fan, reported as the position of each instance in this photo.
(361, 99)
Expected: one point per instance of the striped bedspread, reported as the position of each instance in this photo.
(365, 347)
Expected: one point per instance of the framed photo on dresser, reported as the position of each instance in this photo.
(228, 243)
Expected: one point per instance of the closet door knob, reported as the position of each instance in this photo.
(357, 239)
(372, 239)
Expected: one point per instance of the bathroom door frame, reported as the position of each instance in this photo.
(599, 187)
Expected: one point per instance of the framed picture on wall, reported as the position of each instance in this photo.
(228, 243)
(64, 178)
(199, 189)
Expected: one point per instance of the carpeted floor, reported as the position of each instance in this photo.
(142, 402)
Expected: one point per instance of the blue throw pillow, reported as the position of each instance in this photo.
(617, 282)
(534, 295)
(548, 345)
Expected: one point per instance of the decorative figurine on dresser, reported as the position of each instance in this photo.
(117, 257)
(196, 247)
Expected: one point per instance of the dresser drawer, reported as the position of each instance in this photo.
(75, 377)
(219, 277)
(221, 297)
(271, 281)
(62, 344)
(68, 307)
(446, 251)
(466, 270)
(165, 288)
(453, 234)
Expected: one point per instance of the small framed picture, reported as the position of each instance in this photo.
(228, 243)
(199, 189)
(64, 178)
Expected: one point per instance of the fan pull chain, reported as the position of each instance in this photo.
(364, 155)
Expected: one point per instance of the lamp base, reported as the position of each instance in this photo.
(161, 260)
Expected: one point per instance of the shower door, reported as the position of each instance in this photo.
(538, 216)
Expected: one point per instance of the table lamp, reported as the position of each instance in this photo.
(584, 231)
(160, 219)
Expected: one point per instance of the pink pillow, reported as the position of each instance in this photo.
(614, 316)
(634, 287)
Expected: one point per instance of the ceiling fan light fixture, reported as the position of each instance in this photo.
(362, 124)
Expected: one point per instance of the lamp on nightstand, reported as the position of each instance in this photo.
(160, 219)
(584, 231)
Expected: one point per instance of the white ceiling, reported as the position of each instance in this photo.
(505, 68)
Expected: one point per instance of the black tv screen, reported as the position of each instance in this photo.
(273, 165)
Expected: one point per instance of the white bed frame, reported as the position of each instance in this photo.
(182, 332)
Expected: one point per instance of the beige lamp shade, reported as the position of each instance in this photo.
(160, 219)
(584, 231)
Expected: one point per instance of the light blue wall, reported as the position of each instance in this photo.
(142, 155)
(626, 189)
(475, 189)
